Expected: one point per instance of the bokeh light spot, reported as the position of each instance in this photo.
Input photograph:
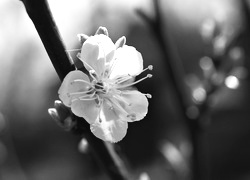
(199, 94)
(232, 82)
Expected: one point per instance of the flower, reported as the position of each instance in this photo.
(104, 97)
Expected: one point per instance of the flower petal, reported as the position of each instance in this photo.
(69, 86)
(127, 61)
(109, 127)
(96, 51)
(134, 103)
(87, 109)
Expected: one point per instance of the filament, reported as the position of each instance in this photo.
(123, 79)
(150, 68)
(72, 50)
(79, 93)
(92, 73)
(114, 102)
(133, 83)
(81, 80)
(135, 92)
(83, 99)
(112, 66)
(119, 98)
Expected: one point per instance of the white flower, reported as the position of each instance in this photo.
(104, 97)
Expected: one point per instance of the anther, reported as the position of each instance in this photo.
(149, 75)
(150, 67)
(132, 116)
(111, 108)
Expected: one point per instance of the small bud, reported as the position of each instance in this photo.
(62, 110)
(83, 145)
(120, 42)
(53, 113)
(144, 176)
(62, 115)
(82, 37)
(102, 30)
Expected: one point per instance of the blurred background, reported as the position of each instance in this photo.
(34, 147)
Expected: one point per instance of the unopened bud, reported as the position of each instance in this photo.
(102, 30)
(82, 37)
(62, 115)
(83, 145)
(120, 42)
(144, 176)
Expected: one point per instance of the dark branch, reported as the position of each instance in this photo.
(40, 14)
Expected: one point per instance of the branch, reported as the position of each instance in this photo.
(40, 14)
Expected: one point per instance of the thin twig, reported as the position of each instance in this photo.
(40, 14)
(194, 125)
(176, 79)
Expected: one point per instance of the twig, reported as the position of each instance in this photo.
(40, 14)
(176, 76)
(176, 79)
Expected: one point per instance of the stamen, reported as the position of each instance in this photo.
(131, 116)
(81, 80)
(123, 79)
(135, 92)
(148, 95)
(72, 50)
(92, 73)
(100, 101)
(112, 66)
(99, 84)
(79, 93)
(150, 68)
(82, 99)
(114, 102)
(119, 98)
(133, 83)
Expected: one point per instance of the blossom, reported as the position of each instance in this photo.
(104, 96)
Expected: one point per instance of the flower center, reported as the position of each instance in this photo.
(100, 87)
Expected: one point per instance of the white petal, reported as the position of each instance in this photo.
(96, 51)
(135, 104)
(68, 86)
(109, 127)
(87, 109)
(127, 61)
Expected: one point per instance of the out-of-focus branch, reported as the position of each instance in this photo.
(176, 76)
(176, 79)
(40, 14)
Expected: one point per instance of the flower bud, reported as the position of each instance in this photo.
(62, 115)
(82, 38)
(102, 30)
(120, 42)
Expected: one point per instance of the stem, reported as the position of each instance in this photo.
(40, 14)
(176, 79)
